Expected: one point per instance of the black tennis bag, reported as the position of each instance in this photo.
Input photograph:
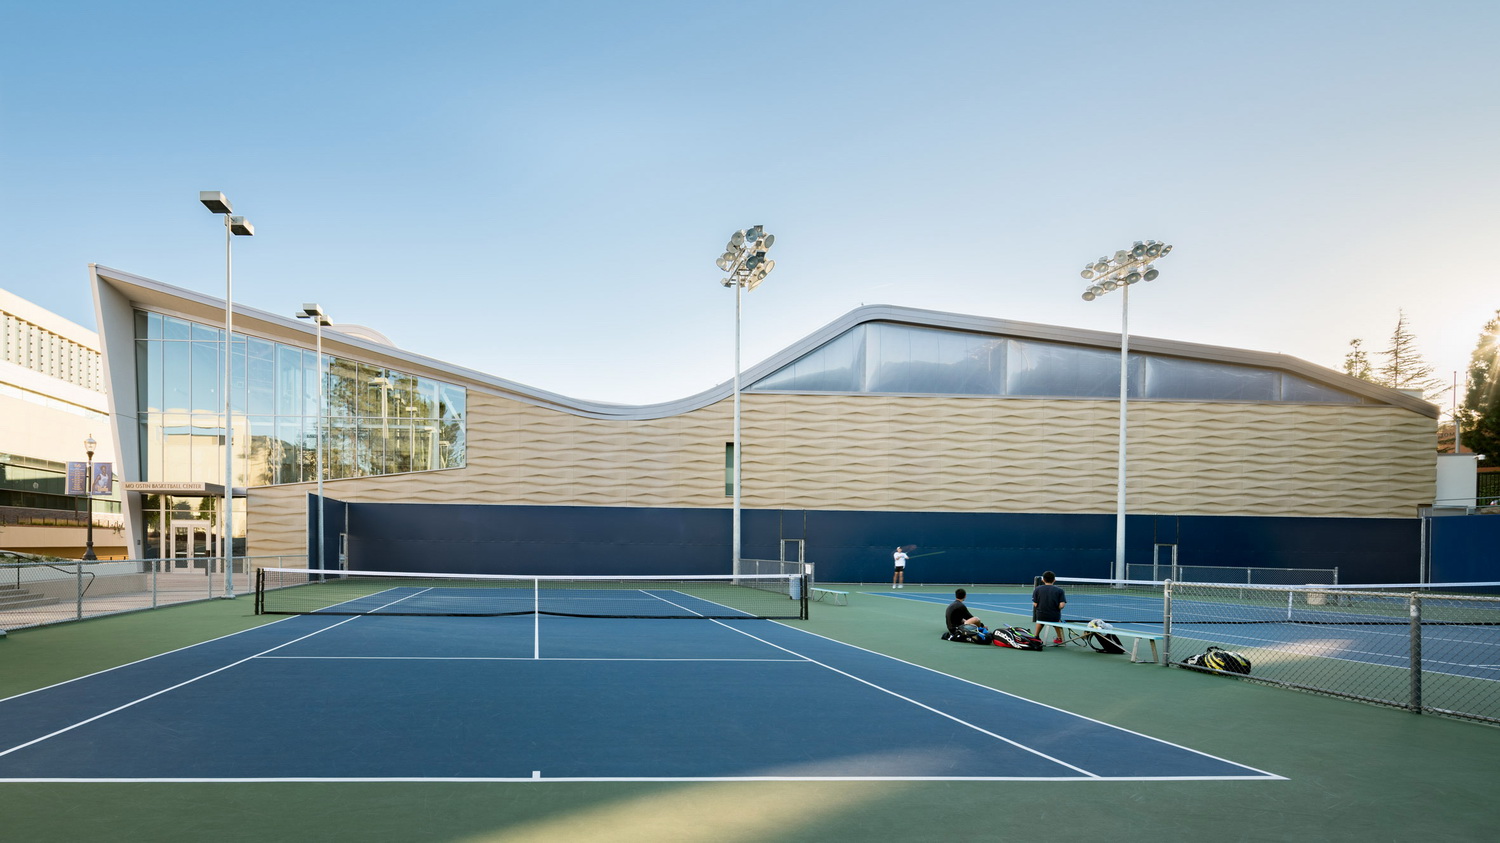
(969, 634)
(1218, 660)
(1015, 638)
(1103, 641)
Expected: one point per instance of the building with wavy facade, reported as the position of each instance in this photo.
(989, 443)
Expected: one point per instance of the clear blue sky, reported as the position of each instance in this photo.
(539, 190)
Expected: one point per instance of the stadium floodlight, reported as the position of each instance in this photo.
(744, 261)
(1127, 268)
(320, 321)
(218, 203)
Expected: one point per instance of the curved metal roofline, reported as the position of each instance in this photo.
(166, 298)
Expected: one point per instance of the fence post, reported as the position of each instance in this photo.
(1416, 652)
(78, 577)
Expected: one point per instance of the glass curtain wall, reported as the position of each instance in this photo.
(377, 421)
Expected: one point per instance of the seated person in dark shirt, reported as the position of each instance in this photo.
(957, 614)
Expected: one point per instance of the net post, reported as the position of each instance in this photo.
(1416, 652)
(806, 593)
(1166, 623)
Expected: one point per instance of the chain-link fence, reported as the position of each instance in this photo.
(1228, 574)
(1428, 648)
(39, 593)
(1423, 650)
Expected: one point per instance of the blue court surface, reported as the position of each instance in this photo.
(373, 698)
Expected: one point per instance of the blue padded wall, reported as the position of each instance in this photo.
(856, 546)
(1465, 548)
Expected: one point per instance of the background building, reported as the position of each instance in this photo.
(991, 444)
(51, 400)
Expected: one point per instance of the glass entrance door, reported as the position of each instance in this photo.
(190, 545)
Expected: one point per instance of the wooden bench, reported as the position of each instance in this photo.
(1077, 633)
(828, 595)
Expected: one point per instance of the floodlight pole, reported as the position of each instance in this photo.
(218, 204)
(744, 260)
(320, 321)
(1128, 267)
(1124, 407)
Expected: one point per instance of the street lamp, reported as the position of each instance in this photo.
(1127, 268)
(216, 203)
(320, 319)
(744, 259)
(88, 489)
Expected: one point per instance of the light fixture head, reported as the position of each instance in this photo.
(241, 226)
(724, 263)
(215, 201)
(1110, 285)
(767, 241)
(1138, 250)
(315, 313)
(1089, 295)
(754, 233)
(1153, 249)
(1122, 256)
(1132, 278)
(1164, 250)
(89, 444)
(1151, 273)
(1087, 273)
(737, 240)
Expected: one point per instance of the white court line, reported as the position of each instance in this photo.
(904, 698)
(523, 659)
(1263, 773)
(1084, 775)
(135, 702)
(606, 779)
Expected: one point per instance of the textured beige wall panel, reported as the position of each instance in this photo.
(851, 452)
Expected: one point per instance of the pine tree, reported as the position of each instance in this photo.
(1479, 416)
(1357, 362)
(1404, 367)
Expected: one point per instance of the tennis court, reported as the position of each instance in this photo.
(207, 721)
(1244, 625)
(534, 697)
(1434, 648)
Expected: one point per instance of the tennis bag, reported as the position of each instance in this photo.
(1217, 660)
(969, 634)
(1101, 640)
(1015, 638)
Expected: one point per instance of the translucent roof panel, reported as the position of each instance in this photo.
(886, 357)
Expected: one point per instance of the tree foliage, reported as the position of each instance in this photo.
(1357, 362)
(1479, 415)
(1402, 366)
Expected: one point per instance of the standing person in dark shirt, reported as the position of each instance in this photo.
(957, 614)
(1047, 602)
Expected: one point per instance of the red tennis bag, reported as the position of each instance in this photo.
(1015, 638)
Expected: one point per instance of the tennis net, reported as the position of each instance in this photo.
(1184, 603)
(301, 591)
